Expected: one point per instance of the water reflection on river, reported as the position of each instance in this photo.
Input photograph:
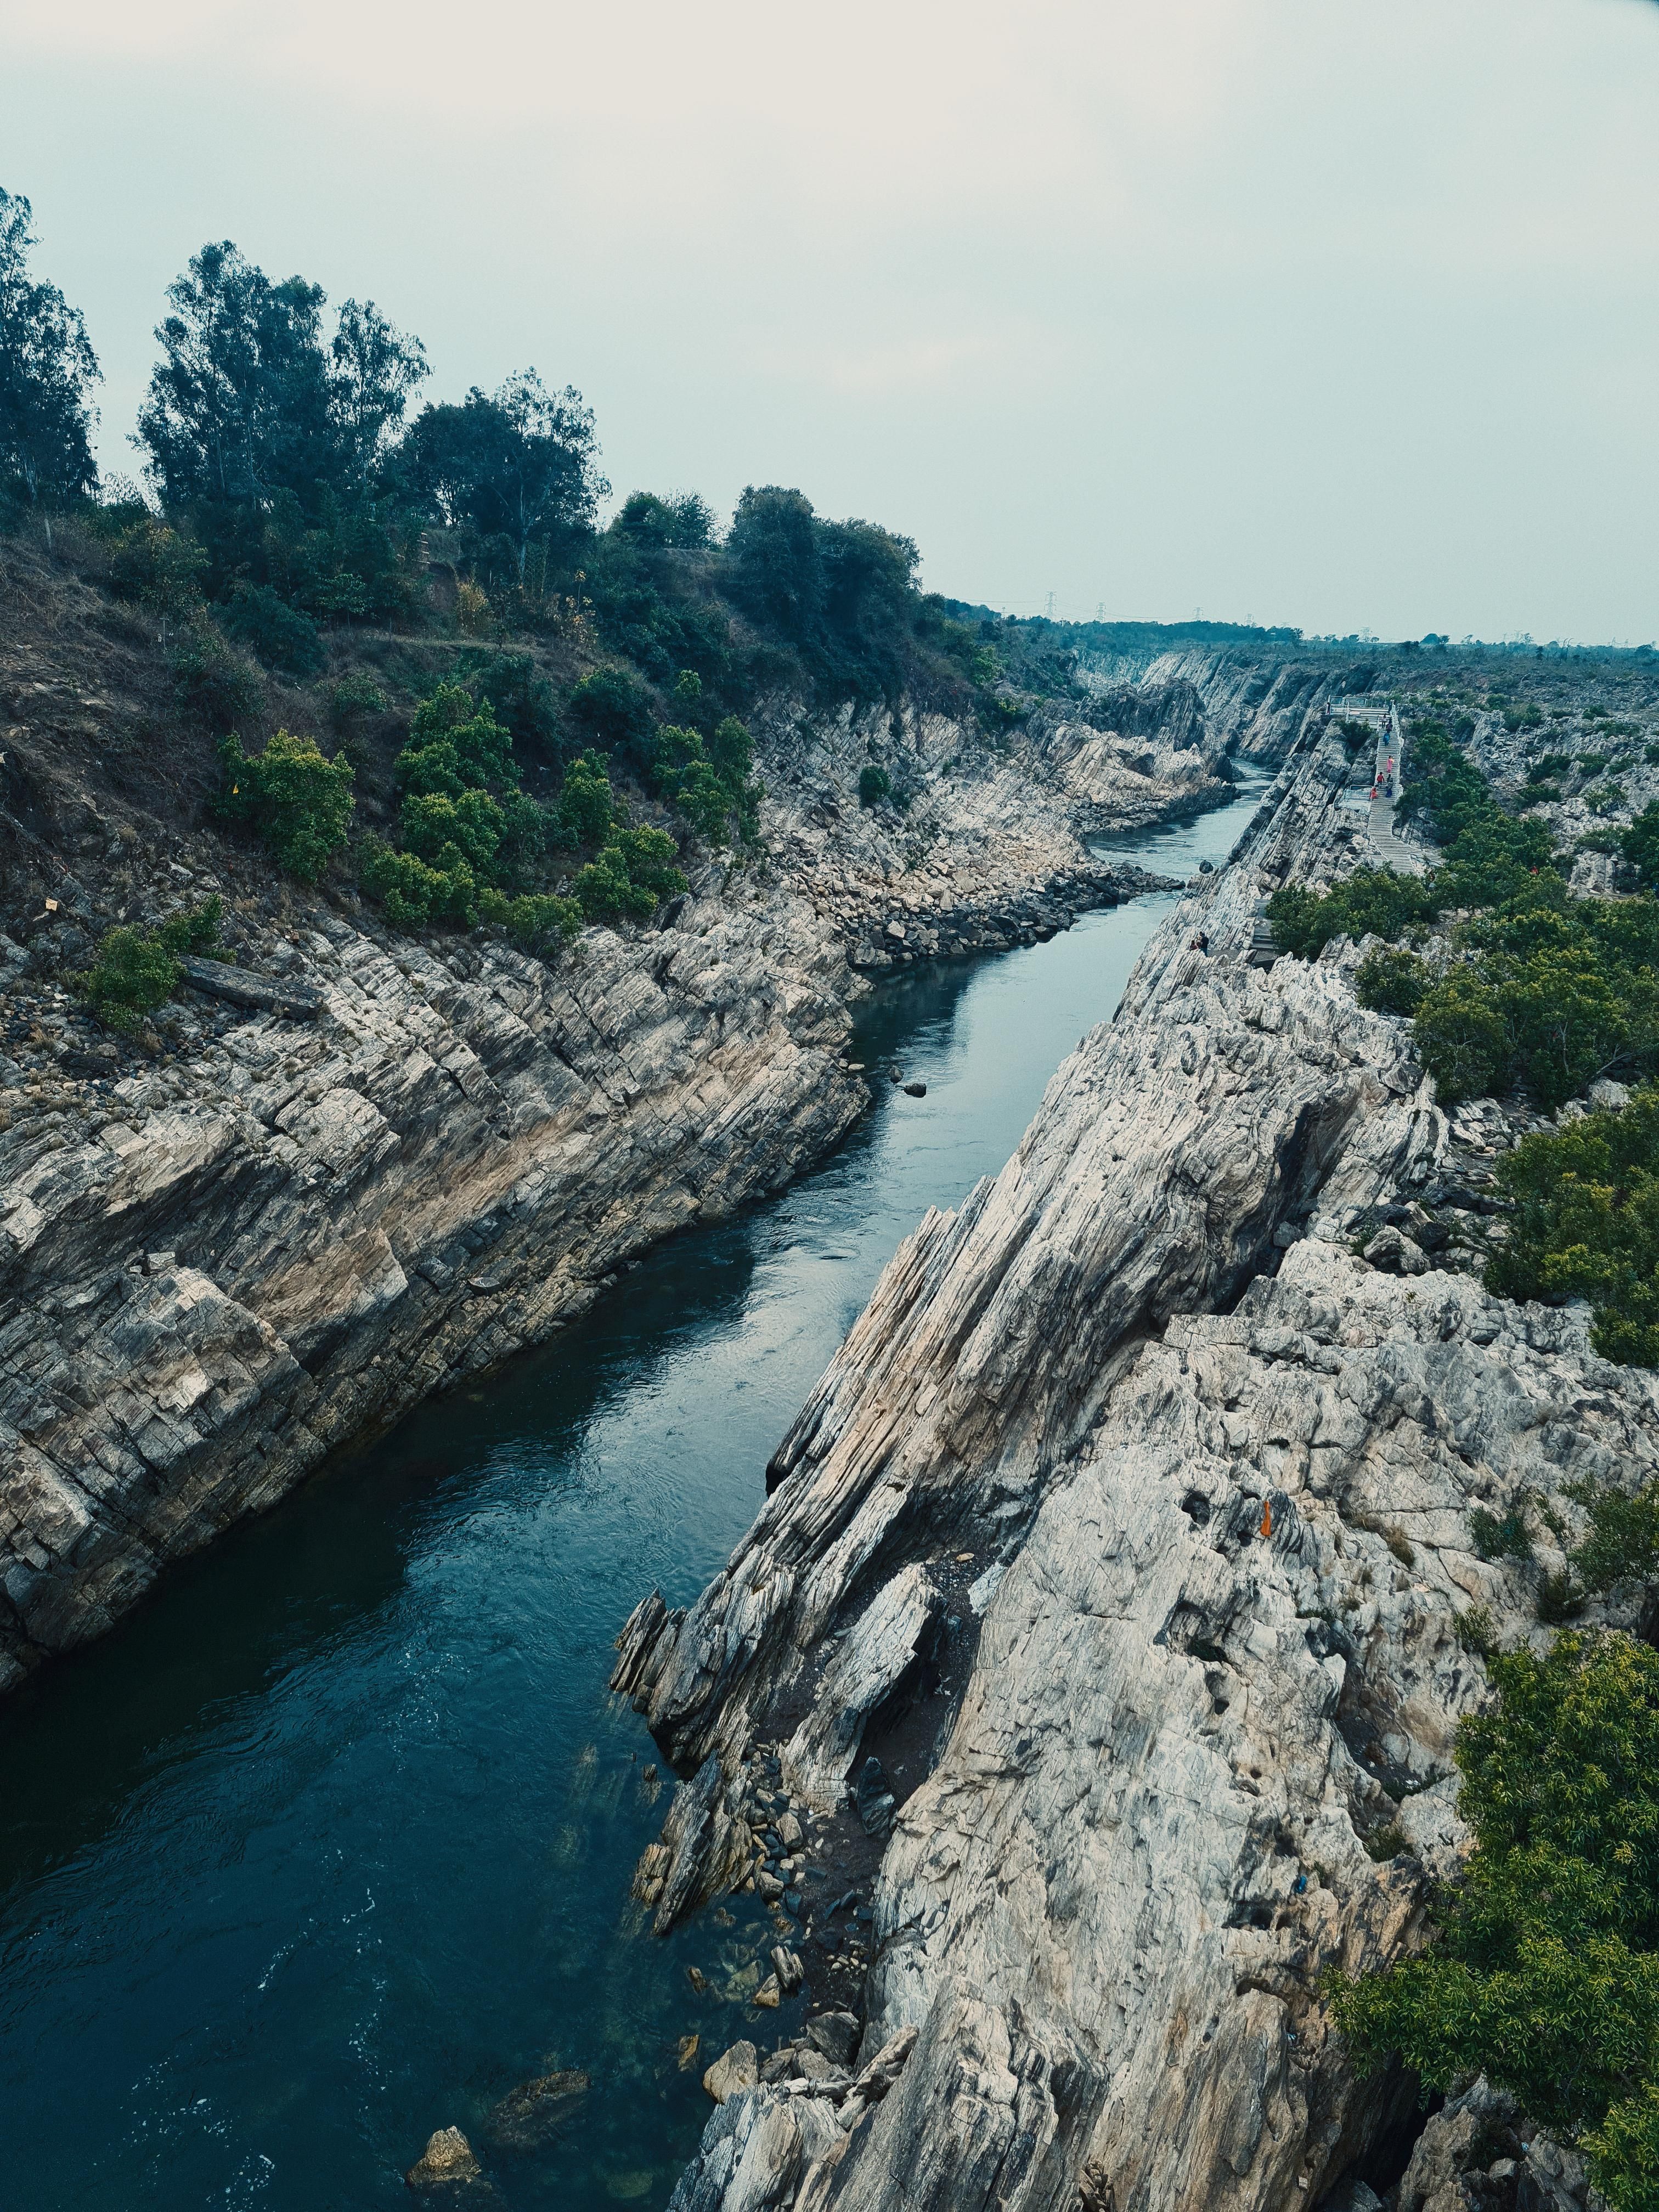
(330, 1845)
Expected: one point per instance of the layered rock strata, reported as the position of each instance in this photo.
(357, 1167)
(1187, 1736)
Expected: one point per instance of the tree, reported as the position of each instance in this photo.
(519, 465)
(238, 408)
(300, 801)
(773, 563)
(47, 369)
(586, 807)
(373, 371)
(1640, 844)
(682, 519)
(1587, 1224)
(270, 440)
(1547, 1976)
(613, 707)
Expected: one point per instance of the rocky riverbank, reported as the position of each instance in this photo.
(1117, 1598)
(348, 1168)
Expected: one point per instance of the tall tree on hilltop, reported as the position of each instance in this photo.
(47, 369)
(373, 371)
(516, 466)
(247, 402)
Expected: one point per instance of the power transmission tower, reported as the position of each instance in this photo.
(1049, 606)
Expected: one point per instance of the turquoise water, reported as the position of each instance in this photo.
(330, 1845)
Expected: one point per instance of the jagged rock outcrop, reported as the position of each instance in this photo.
(1190, 1739)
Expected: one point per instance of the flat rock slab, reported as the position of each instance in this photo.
(300, 1002)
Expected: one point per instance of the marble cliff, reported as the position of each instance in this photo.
(1086, 1687)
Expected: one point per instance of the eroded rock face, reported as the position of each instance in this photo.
(394, 1164)
(1198, 1749)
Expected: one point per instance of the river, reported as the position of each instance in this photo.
(329, 1846)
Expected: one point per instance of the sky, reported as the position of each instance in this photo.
(1297, 311)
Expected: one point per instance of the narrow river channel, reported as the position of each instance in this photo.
(330, 1845)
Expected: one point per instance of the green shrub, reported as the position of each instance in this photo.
(300, 802)
(534, 921)
(159, 568)
(587, 806)
(1390, 981)
(1509, 1538)
(630, 877)
(472, 823)
(1477, 1631)
(476, 752)
(415, 892)
(355, 694)
(1622, 1545)
(280, 635)
(613, 708)
(1547, 1976)
(1587, 1224)
(708, 782)
(1385, 1843)
(1640, 843)
(1559, 1599)
(1461, 1037)
(138, 971)
(874, 784)
(1371, 902)
(215, 687)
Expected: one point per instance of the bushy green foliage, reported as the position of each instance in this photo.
(516, 466)
(138, 971)
(1504, 1536)
(586, 805)
(1477, 1631)
(282, 636)
(297, 800)
(1587, 1224)
(1547, 1976)
(465, 828)
(1370, 901)
(158, 567)
(613, 708)
(708, 779)
(357, 694)
(843, 594)
(1623, 1544)
(1392, 981)
(874, 784)
(631, 874)
(520, 697)
(533, 919)
(415, 891)
(1640, 845)
(1548, 990)
(216, 687)
(682, 521)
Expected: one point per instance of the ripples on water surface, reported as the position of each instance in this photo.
(330, 1845)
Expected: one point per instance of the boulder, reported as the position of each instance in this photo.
(836, 2034)
(1396, 1254)
(446, 2161)
(734, 2069)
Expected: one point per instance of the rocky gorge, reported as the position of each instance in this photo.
(355, 1167)
(1103, 1635)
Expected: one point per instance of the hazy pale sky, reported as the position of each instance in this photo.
(1310, 311)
